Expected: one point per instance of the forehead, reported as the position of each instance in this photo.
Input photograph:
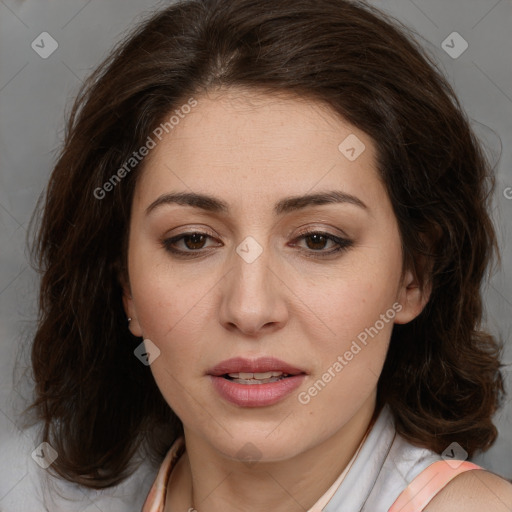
(259, 145)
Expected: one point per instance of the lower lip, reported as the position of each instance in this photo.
(256, 395)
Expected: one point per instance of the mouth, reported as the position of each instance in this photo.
(256, 371)
(255, 383)
(255, 378)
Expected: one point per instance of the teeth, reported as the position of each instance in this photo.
(257, 381)
(257, 376)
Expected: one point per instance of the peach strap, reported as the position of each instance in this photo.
(418, 494)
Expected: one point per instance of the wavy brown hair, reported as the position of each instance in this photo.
(441, 378)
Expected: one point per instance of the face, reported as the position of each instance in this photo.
(261, 271)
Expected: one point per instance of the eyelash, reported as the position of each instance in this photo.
(343, 244)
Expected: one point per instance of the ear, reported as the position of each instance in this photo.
(412, 297)
(129, 306)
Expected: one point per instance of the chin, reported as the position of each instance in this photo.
(258, 447)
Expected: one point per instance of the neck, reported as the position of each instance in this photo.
(207, 481)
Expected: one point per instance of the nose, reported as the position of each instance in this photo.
(253, 296)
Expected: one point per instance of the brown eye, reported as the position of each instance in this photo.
(194, 241)
(191, 244)
(316, 243)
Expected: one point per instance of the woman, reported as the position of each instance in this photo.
(262, 248)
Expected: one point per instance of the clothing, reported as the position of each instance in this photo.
(380, 470)
(324, 499)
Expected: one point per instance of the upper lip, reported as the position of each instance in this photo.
(259, 365)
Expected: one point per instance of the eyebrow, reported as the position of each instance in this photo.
(286, 205)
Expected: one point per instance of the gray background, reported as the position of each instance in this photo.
(34, 93)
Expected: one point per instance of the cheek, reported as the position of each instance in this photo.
(358, 309)
(167, 299)
(171, 318)
(171, 314)
(353, 301)
(349, 358)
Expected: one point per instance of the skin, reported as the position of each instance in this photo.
(251, 150)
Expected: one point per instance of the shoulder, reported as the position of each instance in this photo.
(474, 491)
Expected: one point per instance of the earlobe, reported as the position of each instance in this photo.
(129, 309)
(128, 304)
